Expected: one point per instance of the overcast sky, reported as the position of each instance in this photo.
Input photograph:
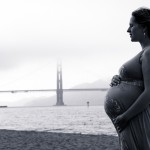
(89, 36)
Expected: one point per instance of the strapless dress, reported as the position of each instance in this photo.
(136, 135)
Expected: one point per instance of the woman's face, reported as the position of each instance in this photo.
(135, 30)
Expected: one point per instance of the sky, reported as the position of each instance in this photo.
(88, 36)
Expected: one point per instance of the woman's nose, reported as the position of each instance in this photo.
(128, 30)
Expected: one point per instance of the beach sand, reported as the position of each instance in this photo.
(32, 140)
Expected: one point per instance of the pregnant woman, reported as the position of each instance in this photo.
(128, 99)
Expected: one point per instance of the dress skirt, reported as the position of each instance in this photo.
(136, 136)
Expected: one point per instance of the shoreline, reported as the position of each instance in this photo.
(33, 140)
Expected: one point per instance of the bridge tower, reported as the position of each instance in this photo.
(59, 91)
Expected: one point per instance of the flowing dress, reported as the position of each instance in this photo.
(136, 136)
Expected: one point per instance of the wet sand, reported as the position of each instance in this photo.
(31, 140)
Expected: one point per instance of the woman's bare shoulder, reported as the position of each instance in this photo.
(146, 54)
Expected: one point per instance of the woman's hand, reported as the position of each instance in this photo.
(121, 122)
(115, 80)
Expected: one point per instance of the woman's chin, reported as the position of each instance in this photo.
(132, 39)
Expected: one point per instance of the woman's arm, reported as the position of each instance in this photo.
(143, 100)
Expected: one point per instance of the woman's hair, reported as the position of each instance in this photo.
(142, 16)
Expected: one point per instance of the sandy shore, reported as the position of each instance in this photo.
(31, 140)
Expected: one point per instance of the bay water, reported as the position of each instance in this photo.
(65, 119)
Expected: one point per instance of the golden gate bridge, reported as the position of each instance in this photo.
(59, 91)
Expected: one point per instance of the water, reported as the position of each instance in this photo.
(66, 119)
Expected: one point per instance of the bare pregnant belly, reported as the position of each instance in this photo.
(119, 98)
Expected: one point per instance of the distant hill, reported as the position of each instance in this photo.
(76, 97)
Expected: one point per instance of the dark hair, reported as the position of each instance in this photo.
(142, 16)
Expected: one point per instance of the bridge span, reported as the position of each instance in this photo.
(54, 90)
(59, 91)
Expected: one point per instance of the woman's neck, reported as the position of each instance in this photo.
(145, 44)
